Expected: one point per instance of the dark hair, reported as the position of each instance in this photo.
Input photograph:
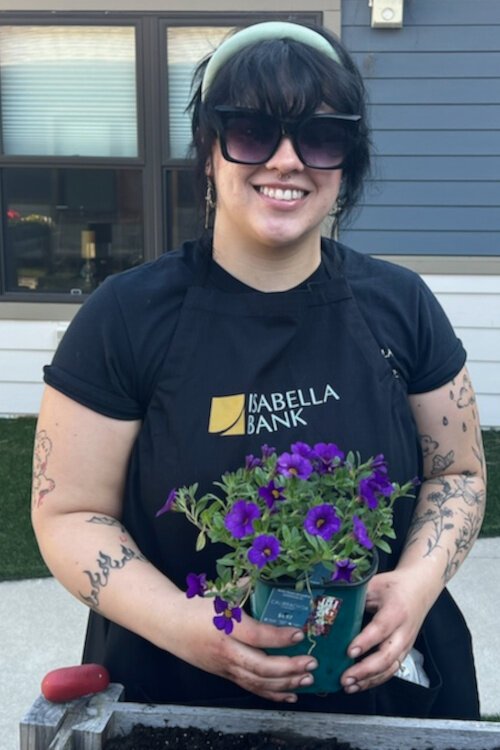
(290, 79)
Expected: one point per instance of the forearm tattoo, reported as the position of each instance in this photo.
(451, 503)
(443, 515)
(42, 483)
(106, 563)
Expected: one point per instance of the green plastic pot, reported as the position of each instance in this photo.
(336, 610)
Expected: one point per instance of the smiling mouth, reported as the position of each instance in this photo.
(281, 194)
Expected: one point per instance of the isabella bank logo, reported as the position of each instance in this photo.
(227, 415)
(256, 413)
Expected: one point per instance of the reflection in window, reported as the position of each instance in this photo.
(67, 229)
(68, 90)
(185, 48)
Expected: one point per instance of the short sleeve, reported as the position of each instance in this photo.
(440, 354)
(116, 348)
(94, 363)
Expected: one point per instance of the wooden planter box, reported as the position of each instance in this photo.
(86, 723)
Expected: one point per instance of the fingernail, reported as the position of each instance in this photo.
(354, 652)
(291, 699)
(307, 680)
(312, 665)
(298, 636)
(349, 681)
(352, 689)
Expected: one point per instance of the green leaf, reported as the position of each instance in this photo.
(201, 541)
(383, 545)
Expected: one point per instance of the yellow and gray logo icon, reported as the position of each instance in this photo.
(227, 415)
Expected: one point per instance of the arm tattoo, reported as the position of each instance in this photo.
(42, 484)
(465, 396)
(429, 446)
(438, 515)
(100, 579)
(442, 518)
(466, 537)
(106, 563)
(441, 463)
(108, 521)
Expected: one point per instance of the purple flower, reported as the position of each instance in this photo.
(263, 550)
(344, 570)
(361, 533)
(294, 465)
(267, 450)
(379, 463)
(251, 462)
(169, 503)
(271, 494)
(323, 521)
(225, 615)
(302, 449)
(196, 584)
(239, 520)
(378, 483)
(328, 457)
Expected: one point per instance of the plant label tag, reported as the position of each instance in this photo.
(324, 612)
(287, 607)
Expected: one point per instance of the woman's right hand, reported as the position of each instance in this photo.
(240, 656)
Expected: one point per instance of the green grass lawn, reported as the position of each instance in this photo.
(19, 556)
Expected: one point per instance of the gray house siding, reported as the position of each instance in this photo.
(434, 88)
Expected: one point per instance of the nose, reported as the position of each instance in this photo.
(285, 158)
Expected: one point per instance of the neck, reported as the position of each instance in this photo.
(268, 268)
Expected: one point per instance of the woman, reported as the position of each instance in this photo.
(157, 384)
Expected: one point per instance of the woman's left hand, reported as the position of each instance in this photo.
(400, 609)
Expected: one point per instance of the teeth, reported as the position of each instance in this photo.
(282, 195)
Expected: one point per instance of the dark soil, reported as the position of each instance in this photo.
(178, 738)
(170, 738)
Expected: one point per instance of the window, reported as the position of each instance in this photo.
(68, 90)
(70, 158)
(67, 228)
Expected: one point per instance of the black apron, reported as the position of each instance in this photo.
(247, 369)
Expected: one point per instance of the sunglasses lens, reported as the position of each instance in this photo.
(324, 142)
(250, 139)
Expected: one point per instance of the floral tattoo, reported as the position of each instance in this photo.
(42, 483)
(441, 517)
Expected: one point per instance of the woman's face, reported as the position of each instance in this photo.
(277, 204)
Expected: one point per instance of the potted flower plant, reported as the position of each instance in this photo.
(302, 529)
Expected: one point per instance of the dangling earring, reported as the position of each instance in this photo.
(336, 209)
(209, 201)
(334, 215)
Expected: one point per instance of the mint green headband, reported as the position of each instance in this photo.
(258, 33)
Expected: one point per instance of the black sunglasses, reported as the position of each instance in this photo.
(321, 141)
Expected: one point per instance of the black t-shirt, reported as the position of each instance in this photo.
(111, 355)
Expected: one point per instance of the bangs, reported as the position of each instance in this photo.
(283, 78)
